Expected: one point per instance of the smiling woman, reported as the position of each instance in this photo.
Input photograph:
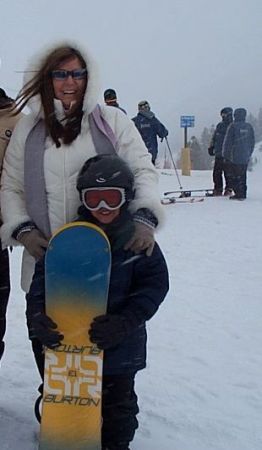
(50, 145)
(69, 82)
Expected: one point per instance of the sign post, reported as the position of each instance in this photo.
(185, 122)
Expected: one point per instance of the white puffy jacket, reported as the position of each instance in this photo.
(61, 166)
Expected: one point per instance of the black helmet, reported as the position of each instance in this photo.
(227, 111)
(106, 171)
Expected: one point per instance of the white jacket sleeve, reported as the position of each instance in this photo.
(132, 149)
(12, 183)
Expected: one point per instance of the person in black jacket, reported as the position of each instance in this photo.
(215, 149)
(138, 285)
(110, 98)
(238, 147)
(149, 127)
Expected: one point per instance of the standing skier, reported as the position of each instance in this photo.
(215, 149)
(238, 147)
(149, 127)
(138, 284)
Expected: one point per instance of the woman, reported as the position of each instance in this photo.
(50, 145)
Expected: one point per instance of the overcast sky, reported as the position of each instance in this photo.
(185, 57)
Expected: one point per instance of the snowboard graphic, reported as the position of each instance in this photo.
(78, 264)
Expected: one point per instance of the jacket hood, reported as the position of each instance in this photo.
(240, 114)
(93, 85)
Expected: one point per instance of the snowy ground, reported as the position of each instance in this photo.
(202, 389)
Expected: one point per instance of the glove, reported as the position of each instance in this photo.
(43, 328)
(142, 239)
(34, 242)
(110, 330)
(211, 151)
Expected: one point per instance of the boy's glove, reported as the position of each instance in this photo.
(43, 328)
(109, 330)
(34, 242)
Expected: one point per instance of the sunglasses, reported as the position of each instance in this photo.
(109, 197)
(77, 74)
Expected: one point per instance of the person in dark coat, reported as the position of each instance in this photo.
(138, 285)
(149, 127)
(238, 147)
(215, 149)
(7, 124)
(110, 98)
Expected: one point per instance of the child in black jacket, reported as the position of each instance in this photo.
(138, 284)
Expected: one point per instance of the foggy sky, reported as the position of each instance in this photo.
(185, 57)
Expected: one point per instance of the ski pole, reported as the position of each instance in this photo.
(173, 162)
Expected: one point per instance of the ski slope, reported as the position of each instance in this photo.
(202, 389)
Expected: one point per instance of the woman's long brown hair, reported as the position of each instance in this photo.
(42, 84)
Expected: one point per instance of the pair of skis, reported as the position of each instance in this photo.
(191, 193)
(186, 196)
(172, 200)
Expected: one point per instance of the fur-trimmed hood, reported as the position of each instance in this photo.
(93, 85)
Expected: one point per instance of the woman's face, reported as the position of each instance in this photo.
(69, 90)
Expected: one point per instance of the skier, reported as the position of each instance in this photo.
(215, 149)
(149, 127)
(110, 98)
(7, 124)
(238, 147)
(49, 146)
(137, 287)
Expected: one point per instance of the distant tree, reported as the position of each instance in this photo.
(205, 139)
(259, 126)
(254, 122)
(195, 153)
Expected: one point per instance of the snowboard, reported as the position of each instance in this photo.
(77, 271)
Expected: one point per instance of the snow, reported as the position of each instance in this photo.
(202, 389)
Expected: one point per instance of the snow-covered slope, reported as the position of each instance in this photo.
(202, 389)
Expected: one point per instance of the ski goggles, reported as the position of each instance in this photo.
(77, 74)
(108, 197)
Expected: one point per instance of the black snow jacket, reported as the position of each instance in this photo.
(138, 285)
(239, 140)
(218, 137)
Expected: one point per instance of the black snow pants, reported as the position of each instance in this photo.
(238, 176)
(220, 169)
(4, 294)
(119, 405)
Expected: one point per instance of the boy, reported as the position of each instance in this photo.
(138, 285)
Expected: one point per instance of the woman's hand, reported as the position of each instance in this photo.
(34, 242)
(142, 239)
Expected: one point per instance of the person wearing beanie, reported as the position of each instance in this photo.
(7, 124)
(138, 285)
(238, 147)
(110, 98)
(215, 149)
(150, 128)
